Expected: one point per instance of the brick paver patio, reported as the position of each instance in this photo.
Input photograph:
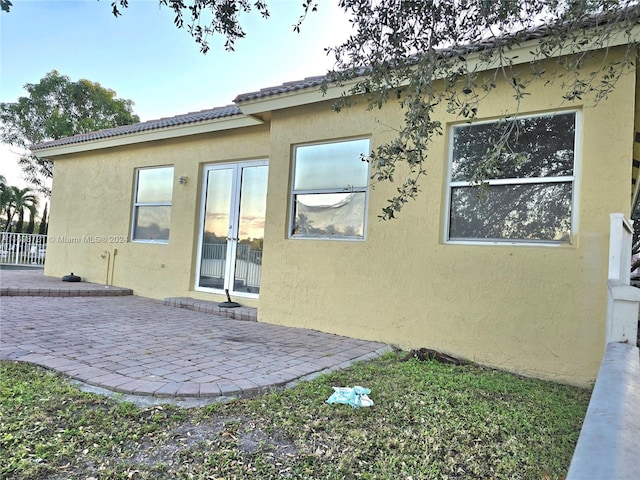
(139, 346)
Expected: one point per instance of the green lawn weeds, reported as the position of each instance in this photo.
(429, 421)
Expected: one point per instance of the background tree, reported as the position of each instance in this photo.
(44, 222)
(56, 108)
(5, 196)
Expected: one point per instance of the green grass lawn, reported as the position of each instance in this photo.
(430, 421)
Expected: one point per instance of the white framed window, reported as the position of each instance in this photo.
(329, 191)
(152, 205)
(529, 196)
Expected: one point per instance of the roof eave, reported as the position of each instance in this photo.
(166, 133)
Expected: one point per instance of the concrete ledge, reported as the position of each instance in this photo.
(205, 306)
(64, 292)
(608, 445)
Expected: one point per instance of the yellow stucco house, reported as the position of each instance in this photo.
(270, 199)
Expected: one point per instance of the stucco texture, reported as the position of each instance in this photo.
(93, 198)
(536, 310)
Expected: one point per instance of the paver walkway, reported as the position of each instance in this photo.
(139, 346)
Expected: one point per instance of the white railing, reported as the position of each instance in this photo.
(623, 300)
(213, 262)
(23, 248)
(608, 444)
(248, 266)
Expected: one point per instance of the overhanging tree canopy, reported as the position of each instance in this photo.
(401, 49)
(451, 54)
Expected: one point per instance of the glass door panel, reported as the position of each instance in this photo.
(216, 226)
(248, 259)
(232, 231)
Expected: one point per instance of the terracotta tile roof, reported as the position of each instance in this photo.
(184, 119)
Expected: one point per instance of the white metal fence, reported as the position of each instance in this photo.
(248, 267)
(22, 248)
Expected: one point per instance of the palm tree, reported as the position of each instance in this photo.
(6, 197)
(20, 199)
(33, 210)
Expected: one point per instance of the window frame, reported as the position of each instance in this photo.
(337, 190)
(137, 204)
(571, 179)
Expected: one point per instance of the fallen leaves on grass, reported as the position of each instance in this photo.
(430, 421)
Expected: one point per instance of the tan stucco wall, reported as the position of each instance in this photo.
(93, 194)
(537, 310)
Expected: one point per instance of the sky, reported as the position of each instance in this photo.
(145, 58)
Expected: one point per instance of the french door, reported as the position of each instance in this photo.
(232, 228)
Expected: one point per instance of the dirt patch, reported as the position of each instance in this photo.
(190, 438)
(256, 440)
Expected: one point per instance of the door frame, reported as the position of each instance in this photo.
(234, 217)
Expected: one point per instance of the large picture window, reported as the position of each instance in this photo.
(329, 194)
(152, 204)
(528, 195)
